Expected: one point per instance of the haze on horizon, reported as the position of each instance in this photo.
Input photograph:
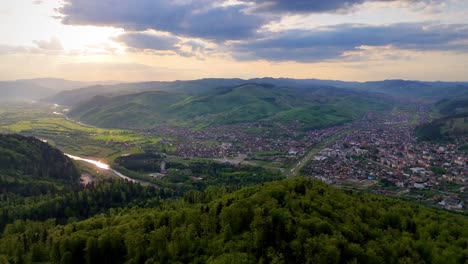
(123, 40)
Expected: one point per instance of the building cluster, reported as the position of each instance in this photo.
(386, 150)
(244, 138)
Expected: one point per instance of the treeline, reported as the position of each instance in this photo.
(144, 162)
(196, 175)
(292, 221)
(81, 202)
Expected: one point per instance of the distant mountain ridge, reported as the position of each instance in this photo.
(398, 88)
(315, 107)
(36, 89)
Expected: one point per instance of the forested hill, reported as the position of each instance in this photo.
(452, 124)
(27, 158)
(315, 107)
(292, 221)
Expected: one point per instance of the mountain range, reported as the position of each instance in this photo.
(398, 88)
(36, 89)
(206, 102)
(314, 107)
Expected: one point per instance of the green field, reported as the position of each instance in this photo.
(72, 137)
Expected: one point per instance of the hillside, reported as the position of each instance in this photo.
(29, 166)
(23, 91)
(29, 157)
(431, 91)
(77, 96)
(36, 89)
(313, 108)
(127, 111)
(453, 123)
(398, 88)
(293, 221)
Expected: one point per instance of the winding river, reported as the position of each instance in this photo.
(103, 166)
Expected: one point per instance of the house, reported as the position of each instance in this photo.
(293, 152)
(418, 170)
(451, 203)
(419, 185)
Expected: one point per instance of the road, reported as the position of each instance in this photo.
(296, 168)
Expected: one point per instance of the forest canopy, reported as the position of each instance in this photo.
(290, 221)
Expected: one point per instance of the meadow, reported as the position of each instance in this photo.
(69, 136)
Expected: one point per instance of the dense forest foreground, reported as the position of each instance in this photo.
(287, 221)
(290, 221)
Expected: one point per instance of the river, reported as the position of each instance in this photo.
(103, 166)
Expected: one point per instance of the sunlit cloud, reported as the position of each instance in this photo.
(229, 38)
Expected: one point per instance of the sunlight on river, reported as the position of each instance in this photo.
(96, 163)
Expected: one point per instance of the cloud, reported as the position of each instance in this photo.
(316, 6)
(163, 44)
(332, 42)
(53, 44)
(8, 49)
(205, 19)
(149, 41)
(239, 28)
(42, 47)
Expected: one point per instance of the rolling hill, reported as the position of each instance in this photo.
(397, 88)
(429, 91)
(36, 89)
(20, 91)
(453, 123)
(77, 96)
(316, 107)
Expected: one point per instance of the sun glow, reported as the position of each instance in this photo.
(98, 164)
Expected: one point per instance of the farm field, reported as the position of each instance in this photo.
(39, 121)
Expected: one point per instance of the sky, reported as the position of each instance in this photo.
(144, 40)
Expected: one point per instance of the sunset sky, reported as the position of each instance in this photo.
(141, 40)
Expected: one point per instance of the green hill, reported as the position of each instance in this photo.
(74, 97)
(397, 88)
(454, 122)
(314, 107)
(29, 166)
(453, 106)
(28, 157)
(127, 111)
(292, 221)
(416, 90)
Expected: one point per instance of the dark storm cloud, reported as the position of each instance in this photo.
(196, 18)
(332, 42)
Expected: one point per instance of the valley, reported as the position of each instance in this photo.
(233, 132)
(152, 152)
(285, 148)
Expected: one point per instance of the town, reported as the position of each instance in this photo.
(385, 153)
(380, 153)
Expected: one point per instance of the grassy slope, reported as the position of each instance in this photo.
(245, 103)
